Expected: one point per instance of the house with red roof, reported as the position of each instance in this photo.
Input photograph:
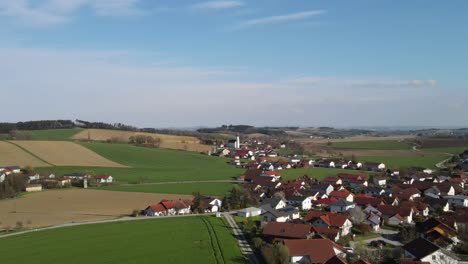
(315, 251)
(168, 207)
(396, 215)
(330, 220)
(279, 231)
(343, 194)
(104, 178)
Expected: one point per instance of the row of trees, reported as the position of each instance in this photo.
(145, 140)
(36, 125)
(13, 185)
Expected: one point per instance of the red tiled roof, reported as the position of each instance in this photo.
(103, 176)
(364, 200)
(331, 219)
(318, 250)
(157, 208)
(287, 230)
(272, 173)
(325, 201)
(331, 179)
(352, 176)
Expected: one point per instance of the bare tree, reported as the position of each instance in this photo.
(357, 215)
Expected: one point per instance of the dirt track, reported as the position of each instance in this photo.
(74, 205)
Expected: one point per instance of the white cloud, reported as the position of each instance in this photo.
(281, 18)
(368, 83)
(53, 12)
(218, 5)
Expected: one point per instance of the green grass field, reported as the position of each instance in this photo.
(428, 161)
(171, 240)
(317, 173)
(155, 165)
(375, 145)
(211, 188)
(54, 134)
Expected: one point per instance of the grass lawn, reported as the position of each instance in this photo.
(367, 236)
(318, 173)
(212, 188)
(155, 165)
(170, 240)
(428, 161)
(376, 145)
(55, 134)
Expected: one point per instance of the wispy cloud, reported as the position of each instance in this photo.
(41, 76)
(281, 18)
(53, 12)
(218, 5)
(369, 83)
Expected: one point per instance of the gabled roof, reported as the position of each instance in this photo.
(287, 230)
(364, 200)
(273, 202)
(318, 250)
(331, 219)
(420, 248)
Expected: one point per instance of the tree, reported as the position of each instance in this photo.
(407, 232)
(197, 202)
(356, 214)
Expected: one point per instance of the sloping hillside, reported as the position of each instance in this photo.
(11, 154)
(167, 141)
(62, 153)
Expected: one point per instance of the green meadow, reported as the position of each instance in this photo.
(155, 165)
(206, 188)
(55, 134)
(165, 240)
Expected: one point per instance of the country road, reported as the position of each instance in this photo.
(243, 244)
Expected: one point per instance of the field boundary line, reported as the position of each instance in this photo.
(29, 152)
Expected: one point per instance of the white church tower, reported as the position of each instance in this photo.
(237, 144)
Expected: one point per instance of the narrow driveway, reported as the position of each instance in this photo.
(243, 244)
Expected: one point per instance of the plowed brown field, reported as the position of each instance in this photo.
(56, 207)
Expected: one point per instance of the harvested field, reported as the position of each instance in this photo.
(441, 142)
(167, 141)
(74, 205)
(354, 139)
(13, 155)
(62, 153)
(377, 153)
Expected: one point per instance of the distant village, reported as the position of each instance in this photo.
(373, 214)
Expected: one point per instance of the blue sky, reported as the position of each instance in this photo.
(188, 63)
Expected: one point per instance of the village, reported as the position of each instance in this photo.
(372, 214)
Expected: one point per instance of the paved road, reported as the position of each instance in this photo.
(385, 235)
(243, 244)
